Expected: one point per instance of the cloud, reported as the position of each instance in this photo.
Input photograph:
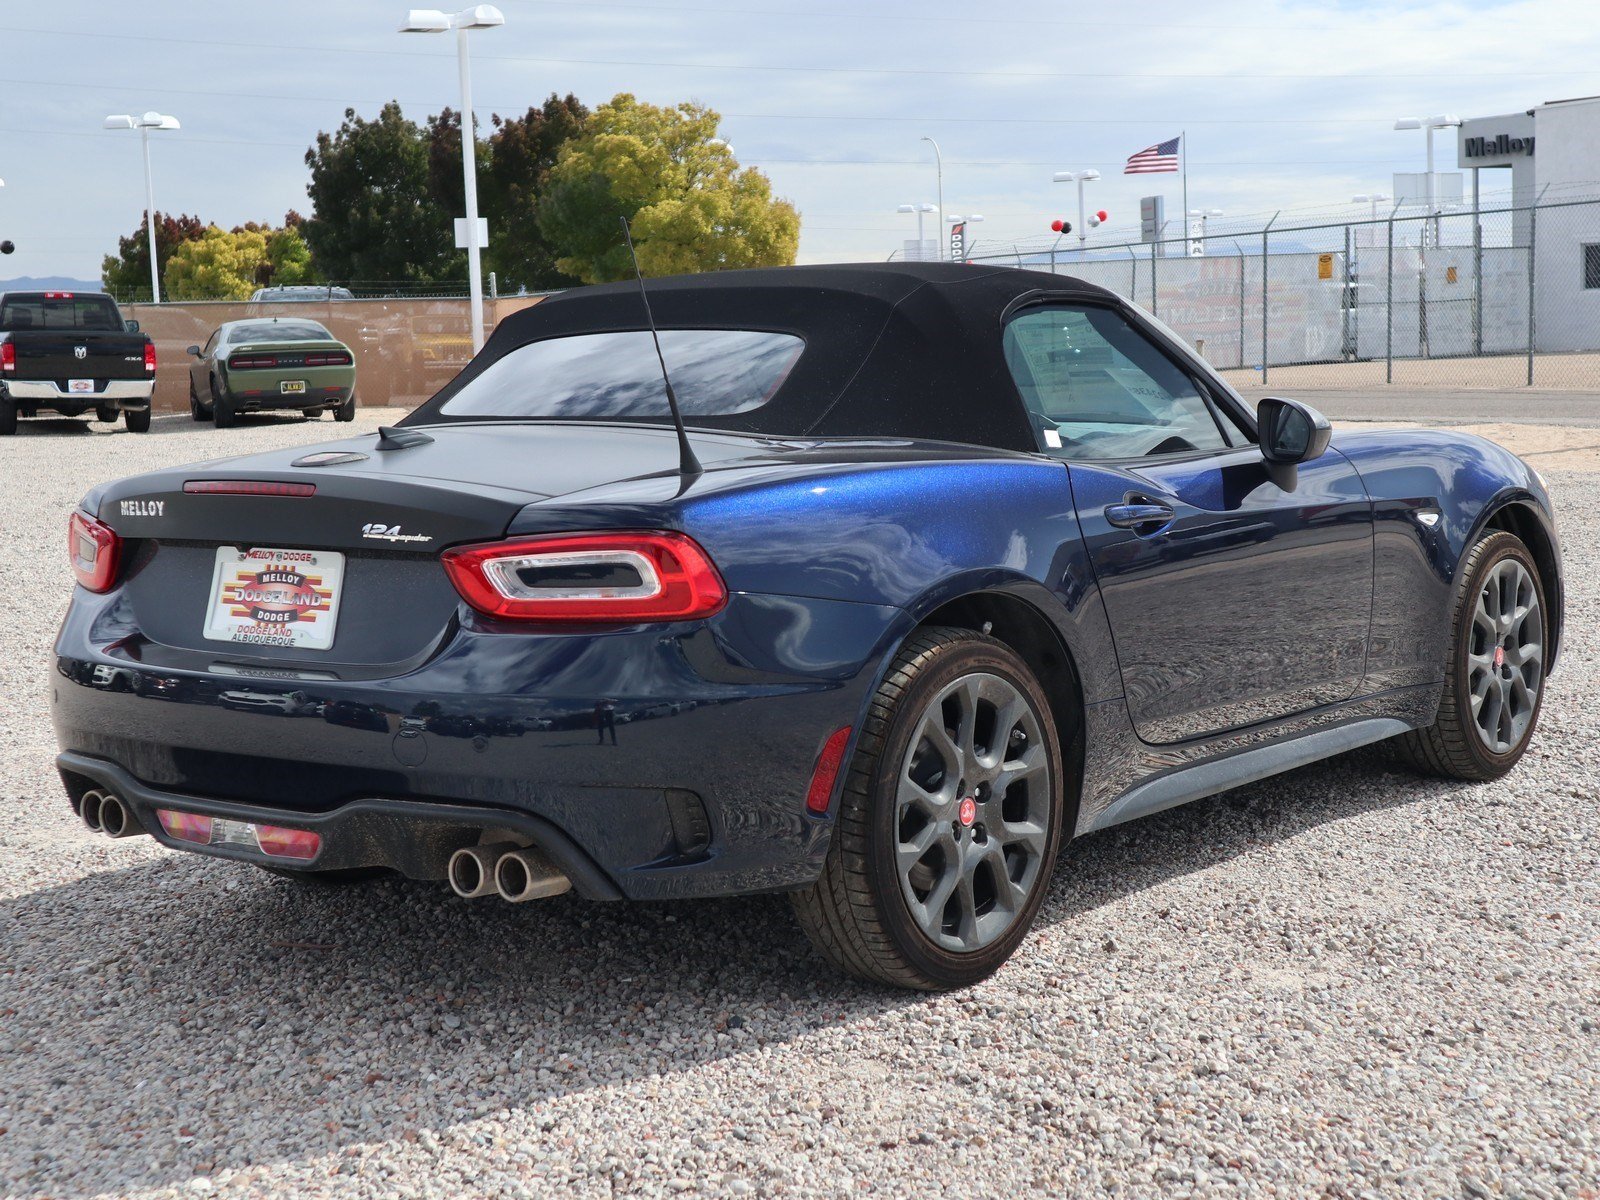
(1285, 104)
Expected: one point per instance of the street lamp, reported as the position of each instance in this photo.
(1443, 121)
(144, 124)
(432, 20)
(1372, 198)
(921, 210)
(1080, 178)
(938, 164)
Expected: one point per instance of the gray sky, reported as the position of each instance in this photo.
(1286, 104)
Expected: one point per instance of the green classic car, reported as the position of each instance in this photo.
(271, 363)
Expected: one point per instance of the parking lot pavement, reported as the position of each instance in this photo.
(1345, 982)
(1440, 406)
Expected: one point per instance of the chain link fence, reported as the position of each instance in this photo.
(1477, 298)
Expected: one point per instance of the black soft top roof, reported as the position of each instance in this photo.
(892, 349)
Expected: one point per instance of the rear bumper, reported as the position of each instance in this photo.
(114, 393)
(693, 784)
(416, 839)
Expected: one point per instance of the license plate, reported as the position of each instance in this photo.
(80, 385)
(266, 597)
(292, 387)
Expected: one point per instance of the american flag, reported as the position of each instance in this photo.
(1154, 160)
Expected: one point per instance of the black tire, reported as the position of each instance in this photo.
(197, 411)
(1456, 746)
(325, 879)
(222, 411)
(106, 416)
(858, 913)
(136, 419)
(347, 410)
(8, 417)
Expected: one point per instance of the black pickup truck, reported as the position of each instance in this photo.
(72, 353)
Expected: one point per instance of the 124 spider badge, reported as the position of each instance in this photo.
(268, 597)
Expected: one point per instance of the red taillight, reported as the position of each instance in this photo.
(247, 487)
(333, 358)
(828, 764)
(8, 356)
(150, 357)
(186, 827)
(275, 841)
(278, 842)
(589, 577)
(252, 362)
(58, 295)
(94, 550)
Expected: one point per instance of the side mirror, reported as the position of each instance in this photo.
(193, 351)
(1290, 433)
(131, 326)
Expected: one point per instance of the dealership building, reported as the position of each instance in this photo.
(1552, 154)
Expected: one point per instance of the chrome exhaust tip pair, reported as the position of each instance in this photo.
(515, 874)
(103, 812)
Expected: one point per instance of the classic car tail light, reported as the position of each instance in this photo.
(150, 357)
(252, 362)
(94, 550)
(589, 577)
(827, 770)
(8, 356)
(332, 358)
(247, 487)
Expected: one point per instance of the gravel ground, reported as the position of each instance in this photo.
(1346, 982)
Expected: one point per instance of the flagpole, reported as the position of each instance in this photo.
(1183, 148)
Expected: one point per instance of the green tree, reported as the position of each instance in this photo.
(127, 272)
(514, 165)
(690, 205)
(230, 265)
(374, 215)
(219, 265)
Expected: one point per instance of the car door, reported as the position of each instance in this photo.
(1235, 594)
(200, 368)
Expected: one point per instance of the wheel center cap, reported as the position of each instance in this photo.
(1499, 657)
(967, 811)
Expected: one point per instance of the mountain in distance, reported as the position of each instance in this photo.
(48, 283)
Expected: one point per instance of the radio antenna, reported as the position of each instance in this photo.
(688, 464)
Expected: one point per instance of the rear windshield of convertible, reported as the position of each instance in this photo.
(715, 372)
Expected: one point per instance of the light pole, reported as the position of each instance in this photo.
(938, 166)
(1080, 178)
(144, 124)
(432, 20)
(1372, 198)
(921, 210)
(1443, 121)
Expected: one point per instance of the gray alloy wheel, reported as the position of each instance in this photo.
(972, 821)
(1506, 655)
(1494, 677)
(949, 818)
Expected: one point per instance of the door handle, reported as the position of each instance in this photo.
(1135, 516)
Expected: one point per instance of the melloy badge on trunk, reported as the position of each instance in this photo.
(268, 597)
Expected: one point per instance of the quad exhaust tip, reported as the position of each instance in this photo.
(89, 810)
(103, 812)
(513, 873)
(522, 875)
(472, 870)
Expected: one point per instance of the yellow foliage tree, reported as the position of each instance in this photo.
(691, 206)
(228, 264)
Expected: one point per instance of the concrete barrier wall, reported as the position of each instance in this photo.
(405, 350)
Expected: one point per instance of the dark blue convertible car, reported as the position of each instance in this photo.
(951, 565)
